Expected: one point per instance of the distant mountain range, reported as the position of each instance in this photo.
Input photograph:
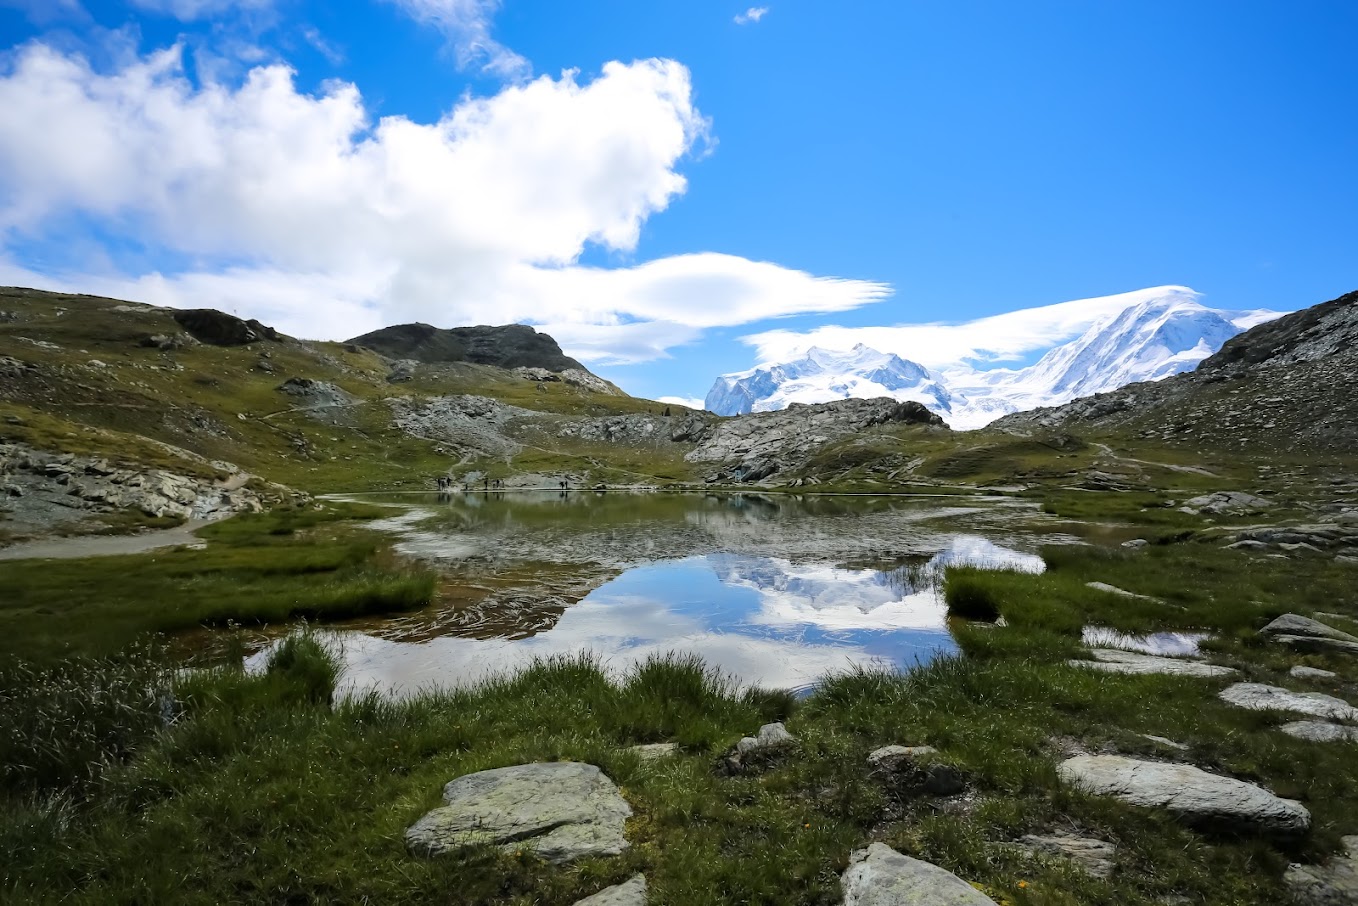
(1147, 341)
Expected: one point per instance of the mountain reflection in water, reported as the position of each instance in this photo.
(765, 620)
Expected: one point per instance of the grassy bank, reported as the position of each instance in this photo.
(257, 568)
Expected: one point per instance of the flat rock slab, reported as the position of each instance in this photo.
(1094, 857)
(1260, 697)
(630, 893)
(1294, 624)
(1191, 794)
(1113, 660)
(559, 810)
(655, 750)
(1333, 884)
(1301, 672)
(1316, 643)
(880, 876)
(1319, 731)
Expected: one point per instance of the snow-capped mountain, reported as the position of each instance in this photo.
(1146, 341)
(823, 375)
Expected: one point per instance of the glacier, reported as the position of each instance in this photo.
(1151, 339)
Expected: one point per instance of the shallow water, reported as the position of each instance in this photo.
(777, 592)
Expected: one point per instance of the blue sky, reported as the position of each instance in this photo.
(947, 161)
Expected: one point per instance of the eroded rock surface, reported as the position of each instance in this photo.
(1320, 731)
(559, 810)
(880, 876)
(1261, 697)
(1333, 884)
(1112, 660)
(1189, 793)
(1291, 624)
(1094, 857)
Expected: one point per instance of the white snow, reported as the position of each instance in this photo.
(1150, 339)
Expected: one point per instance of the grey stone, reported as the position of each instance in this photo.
(1112, 660)
(1291, 624)
(1135, 543)
(559, 810)
(629, 893)
(1316, 643)
(880, 876)
(1228, 503)
(1168, 743)
(1301, 672)
(1333, 884)
(1191, 794)
(1261, 697)
(654, 751)
(1319, 731)
(1248, 545)
(1120, 592)
(1094, 857)
(771, 738)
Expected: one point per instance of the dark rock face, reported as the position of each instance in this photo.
(217, 328)
(511, 346)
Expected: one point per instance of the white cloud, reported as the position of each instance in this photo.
(189, 10)
(999, 338)
(753, 14)
(301, 210)
(466, 25)
(685, 401)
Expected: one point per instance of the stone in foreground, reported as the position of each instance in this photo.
(1191, 794)
(1316, 643)
(1319, 731)
(559, 810)
(1113, 660)
(1293, 624)
(771, 738)
(880, 876)
(1094, 857)
(630, 893)
(1333, 884)
(1261, 697)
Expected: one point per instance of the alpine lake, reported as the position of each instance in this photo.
(775, 591)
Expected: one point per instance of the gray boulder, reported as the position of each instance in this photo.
(1112, 660)
(1319, 731)
(629, 893)
(1228, 503)
(1316, 643)
(880, 876)
(559, 810)
(1333, 884)
(1301, 672)
(1191, 794)
(1261, 697)
(1291, 624)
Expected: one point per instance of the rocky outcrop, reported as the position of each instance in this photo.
(1261, 697)
(1112, 660)
(880, 876)
(1227, 503)
(560, 811)
(311, 394)
(471, 424)
(1296, 625)
(755, 447)
(1319, 731)
(640, 429)
(1191, 794)
(510, 346)
(629, 893)
(217, 328)
(1334, 883)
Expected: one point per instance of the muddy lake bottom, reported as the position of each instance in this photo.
(772, 591)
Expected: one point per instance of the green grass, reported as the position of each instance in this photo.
(257, 569)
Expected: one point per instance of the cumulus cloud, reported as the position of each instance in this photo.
(688, 402)
(753, 14)
(466, 24)
(302, 210)
(999, 338)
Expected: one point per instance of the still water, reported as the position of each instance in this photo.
(776, 592)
